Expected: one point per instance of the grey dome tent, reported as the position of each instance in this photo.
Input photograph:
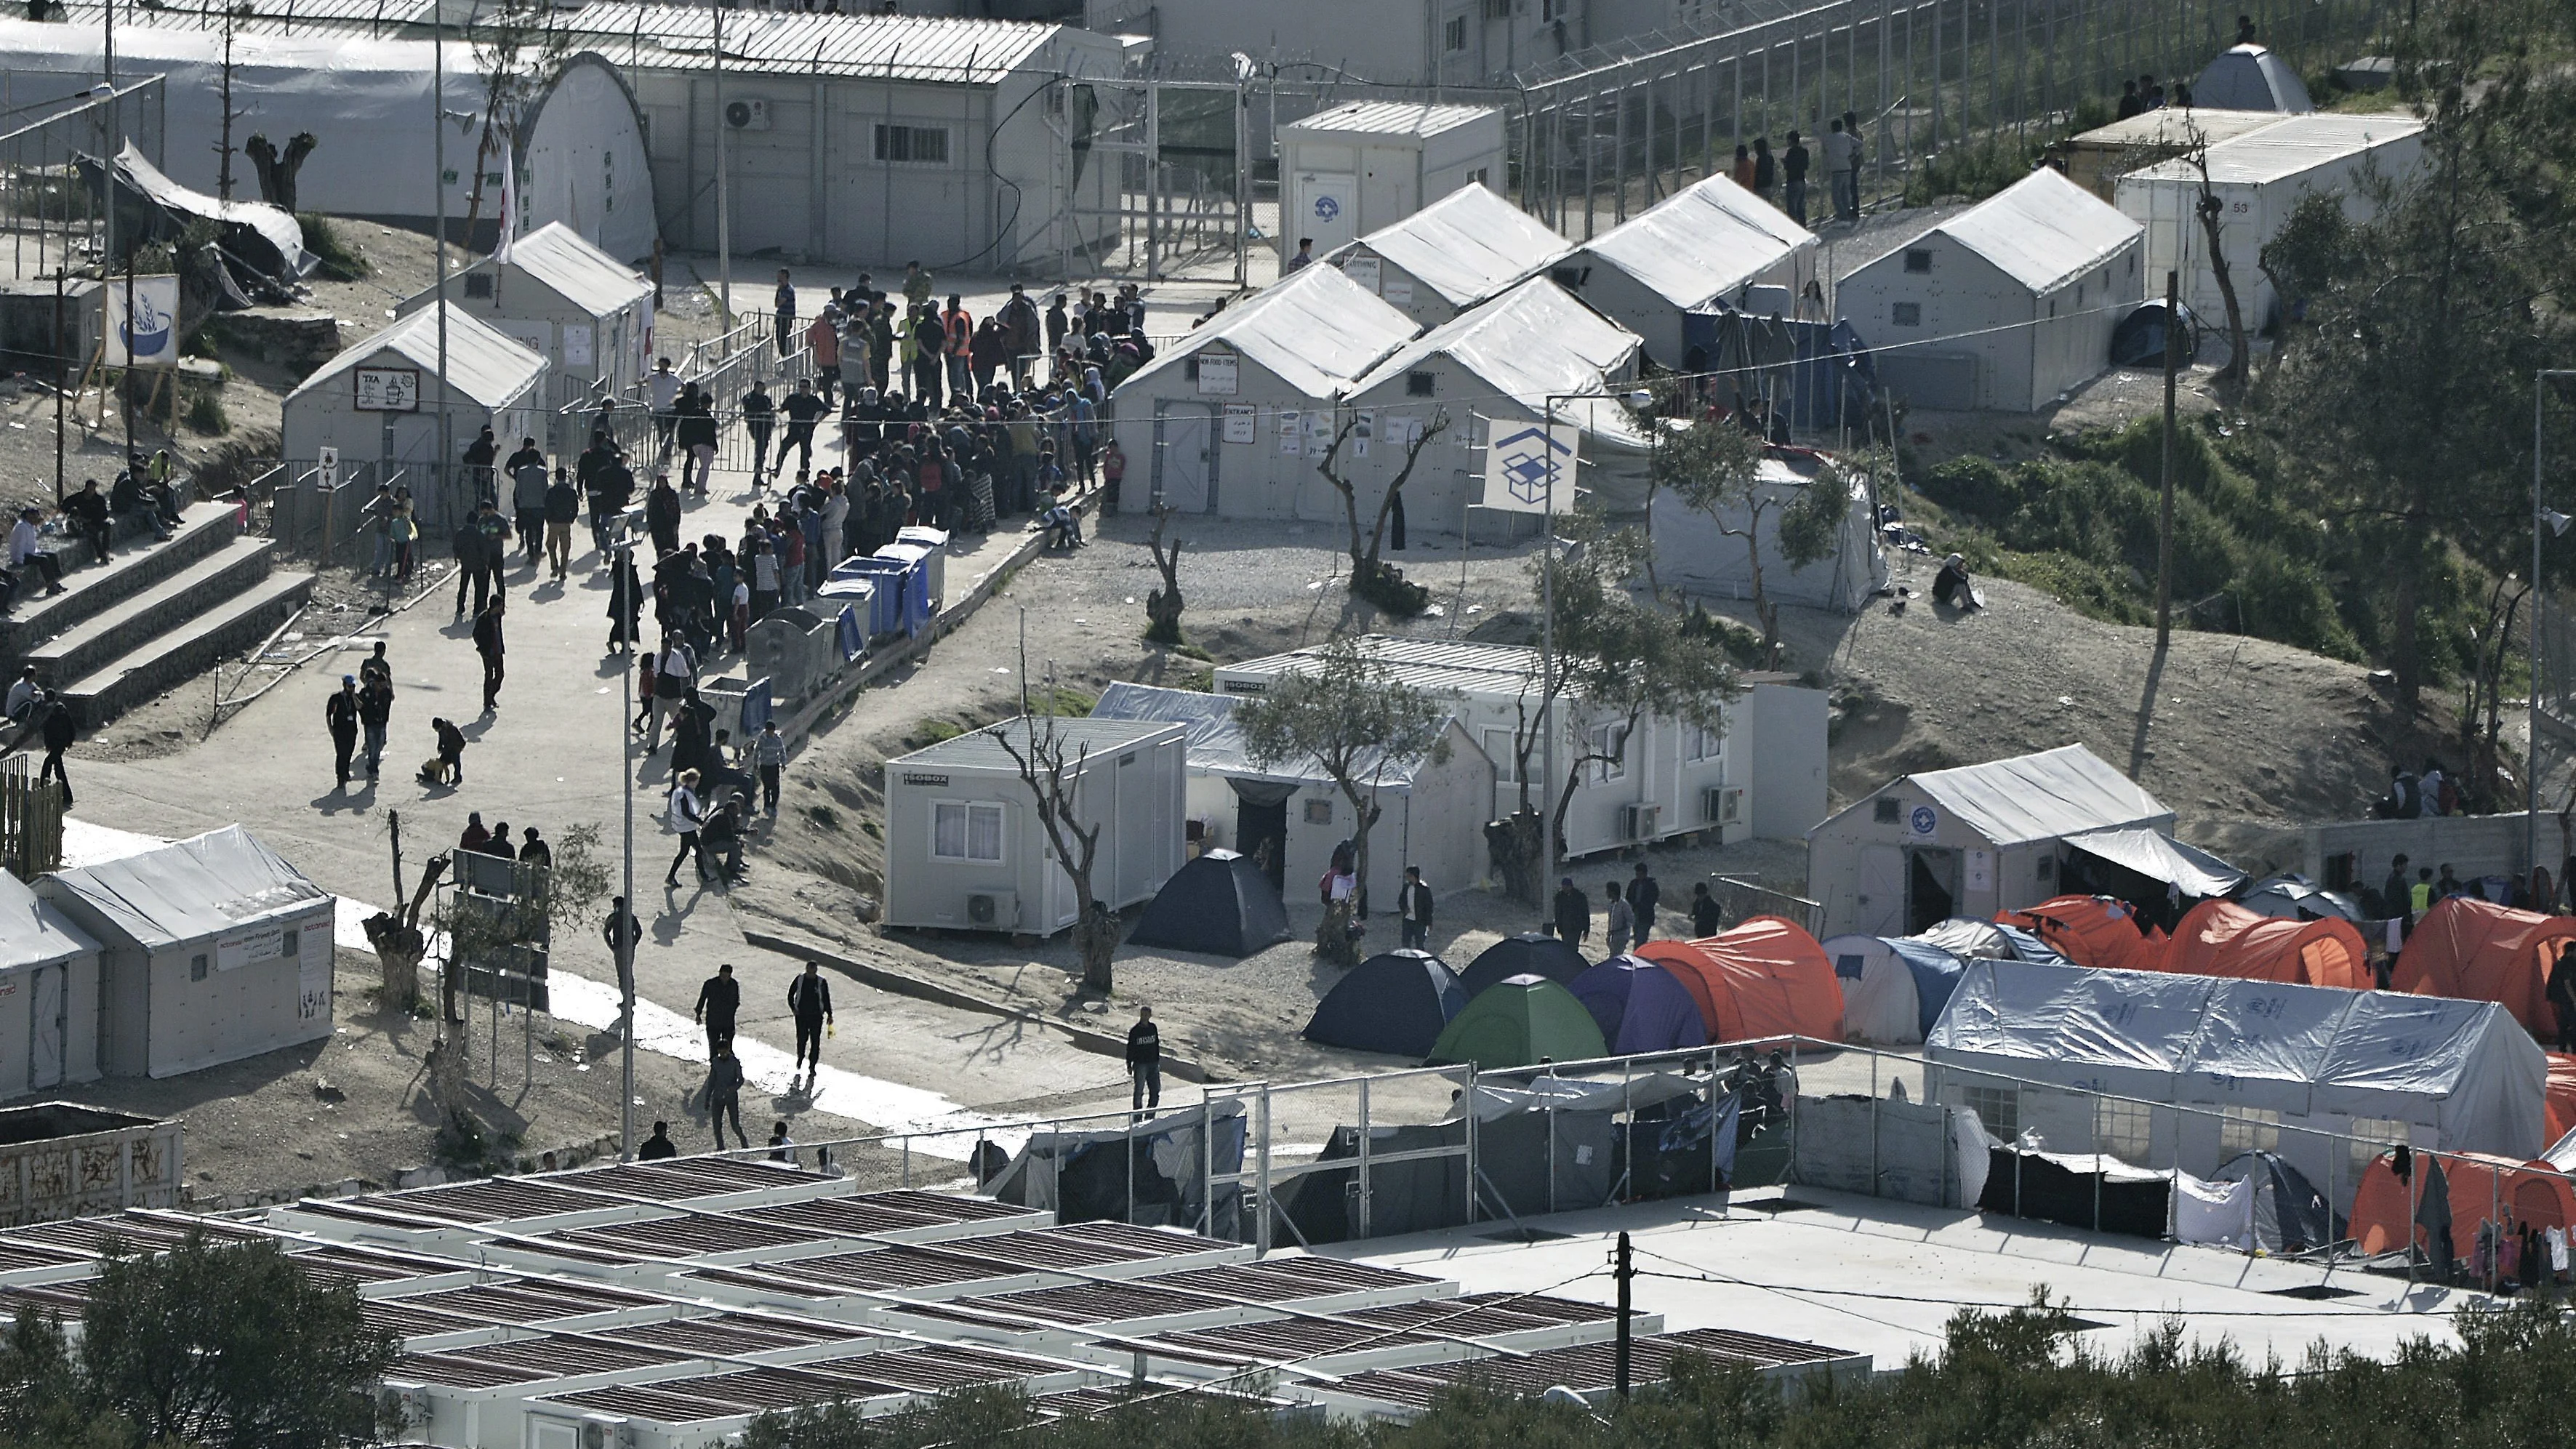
(1527, 954)
(2296, 898)
(2251, 78)
(1396, 1002)
(2290, 1215)
(1217, 905)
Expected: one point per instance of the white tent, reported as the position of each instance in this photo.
(2006, 305)
(1714, 240)
(48, 994)
(1694, 551)
(2029, 1046)
(212, 949)
(1458, 251)
(1495, 366)
(1431, 813)
(1969, 841)
(580, 151)
(380, 399)
(2250, 78)
(1232, 418)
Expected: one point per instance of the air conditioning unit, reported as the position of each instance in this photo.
(747, 115)
(1639, 822)
(1722, 804)
(993, 910)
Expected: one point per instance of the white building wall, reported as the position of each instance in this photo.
(1200, 470)
(1965, 304)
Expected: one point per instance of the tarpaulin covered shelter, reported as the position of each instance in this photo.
(1969, 841)
(2255, 1201)
(2388, 1212)
(1641, 1006)
(2480, 951)
(1531, 953)
(1766, 977)
(2221, 938)
(2082, 1190)
(1819, 374)
(2090, 931)
(2296, 898)
(2038, 1045)
(1518, 1022)
(1153, 1174)
(1219, 905)
(1974, 939)
(259, 241)
(2153, 856)
(2250, 78)
(1396, 1001)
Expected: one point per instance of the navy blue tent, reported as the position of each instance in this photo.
(1218, 905)
(1529, 954)
(1641, 1005)
(1395, 1002)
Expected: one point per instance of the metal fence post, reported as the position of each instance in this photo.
(1473, 1166)
(1261, 1229)
(1362, 1202)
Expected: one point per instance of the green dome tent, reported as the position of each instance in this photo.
(1517, 1022)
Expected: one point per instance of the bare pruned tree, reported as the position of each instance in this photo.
(1052, 768)
(2212, 209)
(519, 52)
(1163, 605)
(1370, 577)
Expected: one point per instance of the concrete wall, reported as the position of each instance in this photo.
(2472, 845)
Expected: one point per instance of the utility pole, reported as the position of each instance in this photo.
(724, 192)
(438, 180)
(1624, 1272)
(62, 374)
(620, 559)
(2164, 512)
(224, 148)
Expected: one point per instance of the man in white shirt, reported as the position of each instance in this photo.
(23, 695)
(662, 388)
(24, 550)
(1842, 160)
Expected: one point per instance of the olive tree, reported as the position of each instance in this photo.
(1715, 467)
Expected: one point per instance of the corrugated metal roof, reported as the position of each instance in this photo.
(192, 888)
(980, 750)
(1700, 244)
(1318, 331)
(1534, 341)
(2174, 126)
(483, 364)
(2298, 143)
(805, 42)
(1390, 118)
(2042, 231)
(1467, 246)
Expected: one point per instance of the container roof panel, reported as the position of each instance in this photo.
(2055, 793)
(892, 47)
(484, 364)
(1390, 118)
(1702, 243)
(1531, 343)
(2297, 144)
(581, 273)
(981, 749)
(202, 886)
(1467, 246)
(33, 932)
(731, 1333)
(1317, 331)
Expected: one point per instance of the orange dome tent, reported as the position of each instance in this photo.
(2480, 1187)
(2093, 931)
(2222, 938)
(2479, 951)
(1766, 977)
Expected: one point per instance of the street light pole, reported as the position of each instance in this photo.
(2539, 518)
(1547, 666)
(620, 560)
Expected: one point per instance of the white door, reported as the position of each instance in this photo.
(1882, 891)
(1326, 208)
(45, 1030)
(1182, 442)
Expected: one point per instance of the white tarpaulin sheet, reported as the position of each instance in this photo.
(2046, 796)
(1694, 549)
(2213, 1214)
(207, 885)
(32, 932)
(2465, 1069)
(2160, 857)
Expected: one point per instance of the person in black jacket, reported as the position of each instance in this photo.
(1413, 909)
(1145, 1062)
(662, 515)
(657, 1146)
(58, 734)
(724, 1094)
(760, 419)
(1643, 896)
(809, 1000)
(1573, 913)
(1707, 917)
(488, 643)
(563, 510)
(88, 511)
(340, 714)
(719, 998)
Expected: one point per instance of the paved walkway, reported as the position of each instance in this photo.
(550, 757)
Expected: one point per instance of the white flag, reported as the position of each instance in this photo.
(509, 210)
(1530, 468)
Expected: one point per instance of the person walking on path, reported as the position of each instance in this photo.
(760, 420)
(1413, 908)
(724, 1095)
(1145, 1062)
(1573, 913)
(768, 758)
(659, 1146)
(340, 714)
(719, 1001)
(488, 643)
(662, 515)
(662, 390)
(785, 305)
(468, 544)
(688, 820)
(562, 511)
(528, 480)
(1644, 894)
(809, 1000)
(1622, 918)
(57, 734)
(375, 713)
(803, 410)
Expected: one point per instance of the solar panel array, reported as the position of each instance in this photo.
(651, 1306)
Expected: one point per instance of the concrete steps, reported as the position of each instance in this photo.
(139, 564)
(130, 623)
(230, 626)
